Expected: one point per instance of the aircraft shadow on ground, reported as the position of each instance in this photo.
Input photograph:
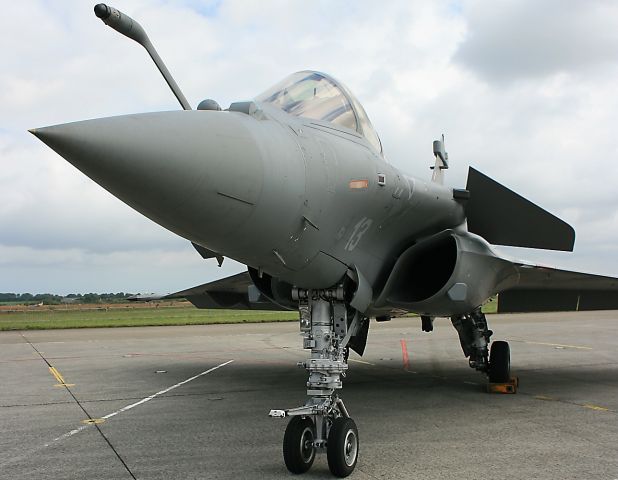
(389, 380)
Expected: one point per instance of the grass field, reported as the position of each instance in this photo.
(46, 318)
(132, 315)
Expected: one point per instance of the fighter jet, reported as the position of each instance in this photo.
(294, 185)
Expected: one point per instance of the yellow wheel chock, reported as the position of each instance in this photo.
(507, 387)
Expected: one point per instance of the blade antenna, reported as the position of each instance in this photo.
(124, 24)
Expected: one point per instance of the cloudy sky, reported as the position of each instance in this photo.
(525, 91)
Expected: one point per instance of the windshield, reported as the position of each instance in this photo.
(317, 96)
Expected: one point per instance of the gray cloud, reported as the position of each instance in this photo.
(513, 40)
(419, 68)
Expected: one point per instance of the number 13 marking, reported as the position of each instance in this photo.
(359, 230)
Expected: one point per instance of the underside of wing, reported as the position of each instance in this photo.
(547, 289)
(237, 292)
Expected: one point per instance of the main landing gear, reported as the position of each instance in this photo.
(474, 337)
(329, 327)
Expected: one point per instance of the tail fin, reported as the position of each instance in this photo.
(503, 217)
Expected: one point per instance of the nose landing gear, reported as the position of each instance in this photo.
(327, 324)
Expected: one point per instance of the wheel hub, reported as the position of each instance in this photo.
(351, 448)
(306, 444)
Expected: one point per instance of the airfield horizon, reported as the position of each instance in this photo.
(50, 317)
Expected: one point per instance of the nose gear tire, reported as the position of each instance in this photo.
(298, 447)
(342, 448)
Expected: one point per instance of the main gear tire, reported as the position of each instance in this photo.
(499, 362)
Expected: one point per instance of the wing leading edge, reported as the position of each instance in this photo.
(231, 293)
(543, 288)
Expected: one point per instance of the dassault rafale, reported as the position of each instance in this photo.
(294, 185)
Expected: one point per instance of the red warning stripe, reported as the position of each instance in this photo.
(404, 354)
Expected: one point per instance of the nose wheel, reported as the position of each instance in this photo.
(298, 444)
(342, 447)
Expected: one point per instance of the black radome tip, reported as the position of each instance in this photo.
(102, 11)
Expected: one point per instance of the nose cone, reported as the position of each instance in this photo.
(166, 164)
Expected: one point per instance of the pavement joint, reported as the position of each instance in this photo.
(59, 377)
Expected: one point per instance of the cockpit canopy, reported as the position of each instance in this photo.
(320, 97)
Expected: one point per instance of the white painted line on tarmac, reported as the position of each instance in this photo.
(360, 361)
(557, 345)
(141, 402)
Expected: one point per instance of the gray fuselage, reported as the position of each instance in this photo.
(296, 198)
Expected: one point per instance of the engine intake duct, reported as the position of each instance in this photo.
(429, 265)
(447, 274)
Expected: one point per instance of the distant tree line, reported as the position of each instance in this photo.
(50, 299)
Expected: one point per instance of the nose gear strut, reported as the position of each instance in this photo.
(327, 323)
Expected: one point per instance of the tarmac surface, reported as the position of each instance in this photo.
(163, 411)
